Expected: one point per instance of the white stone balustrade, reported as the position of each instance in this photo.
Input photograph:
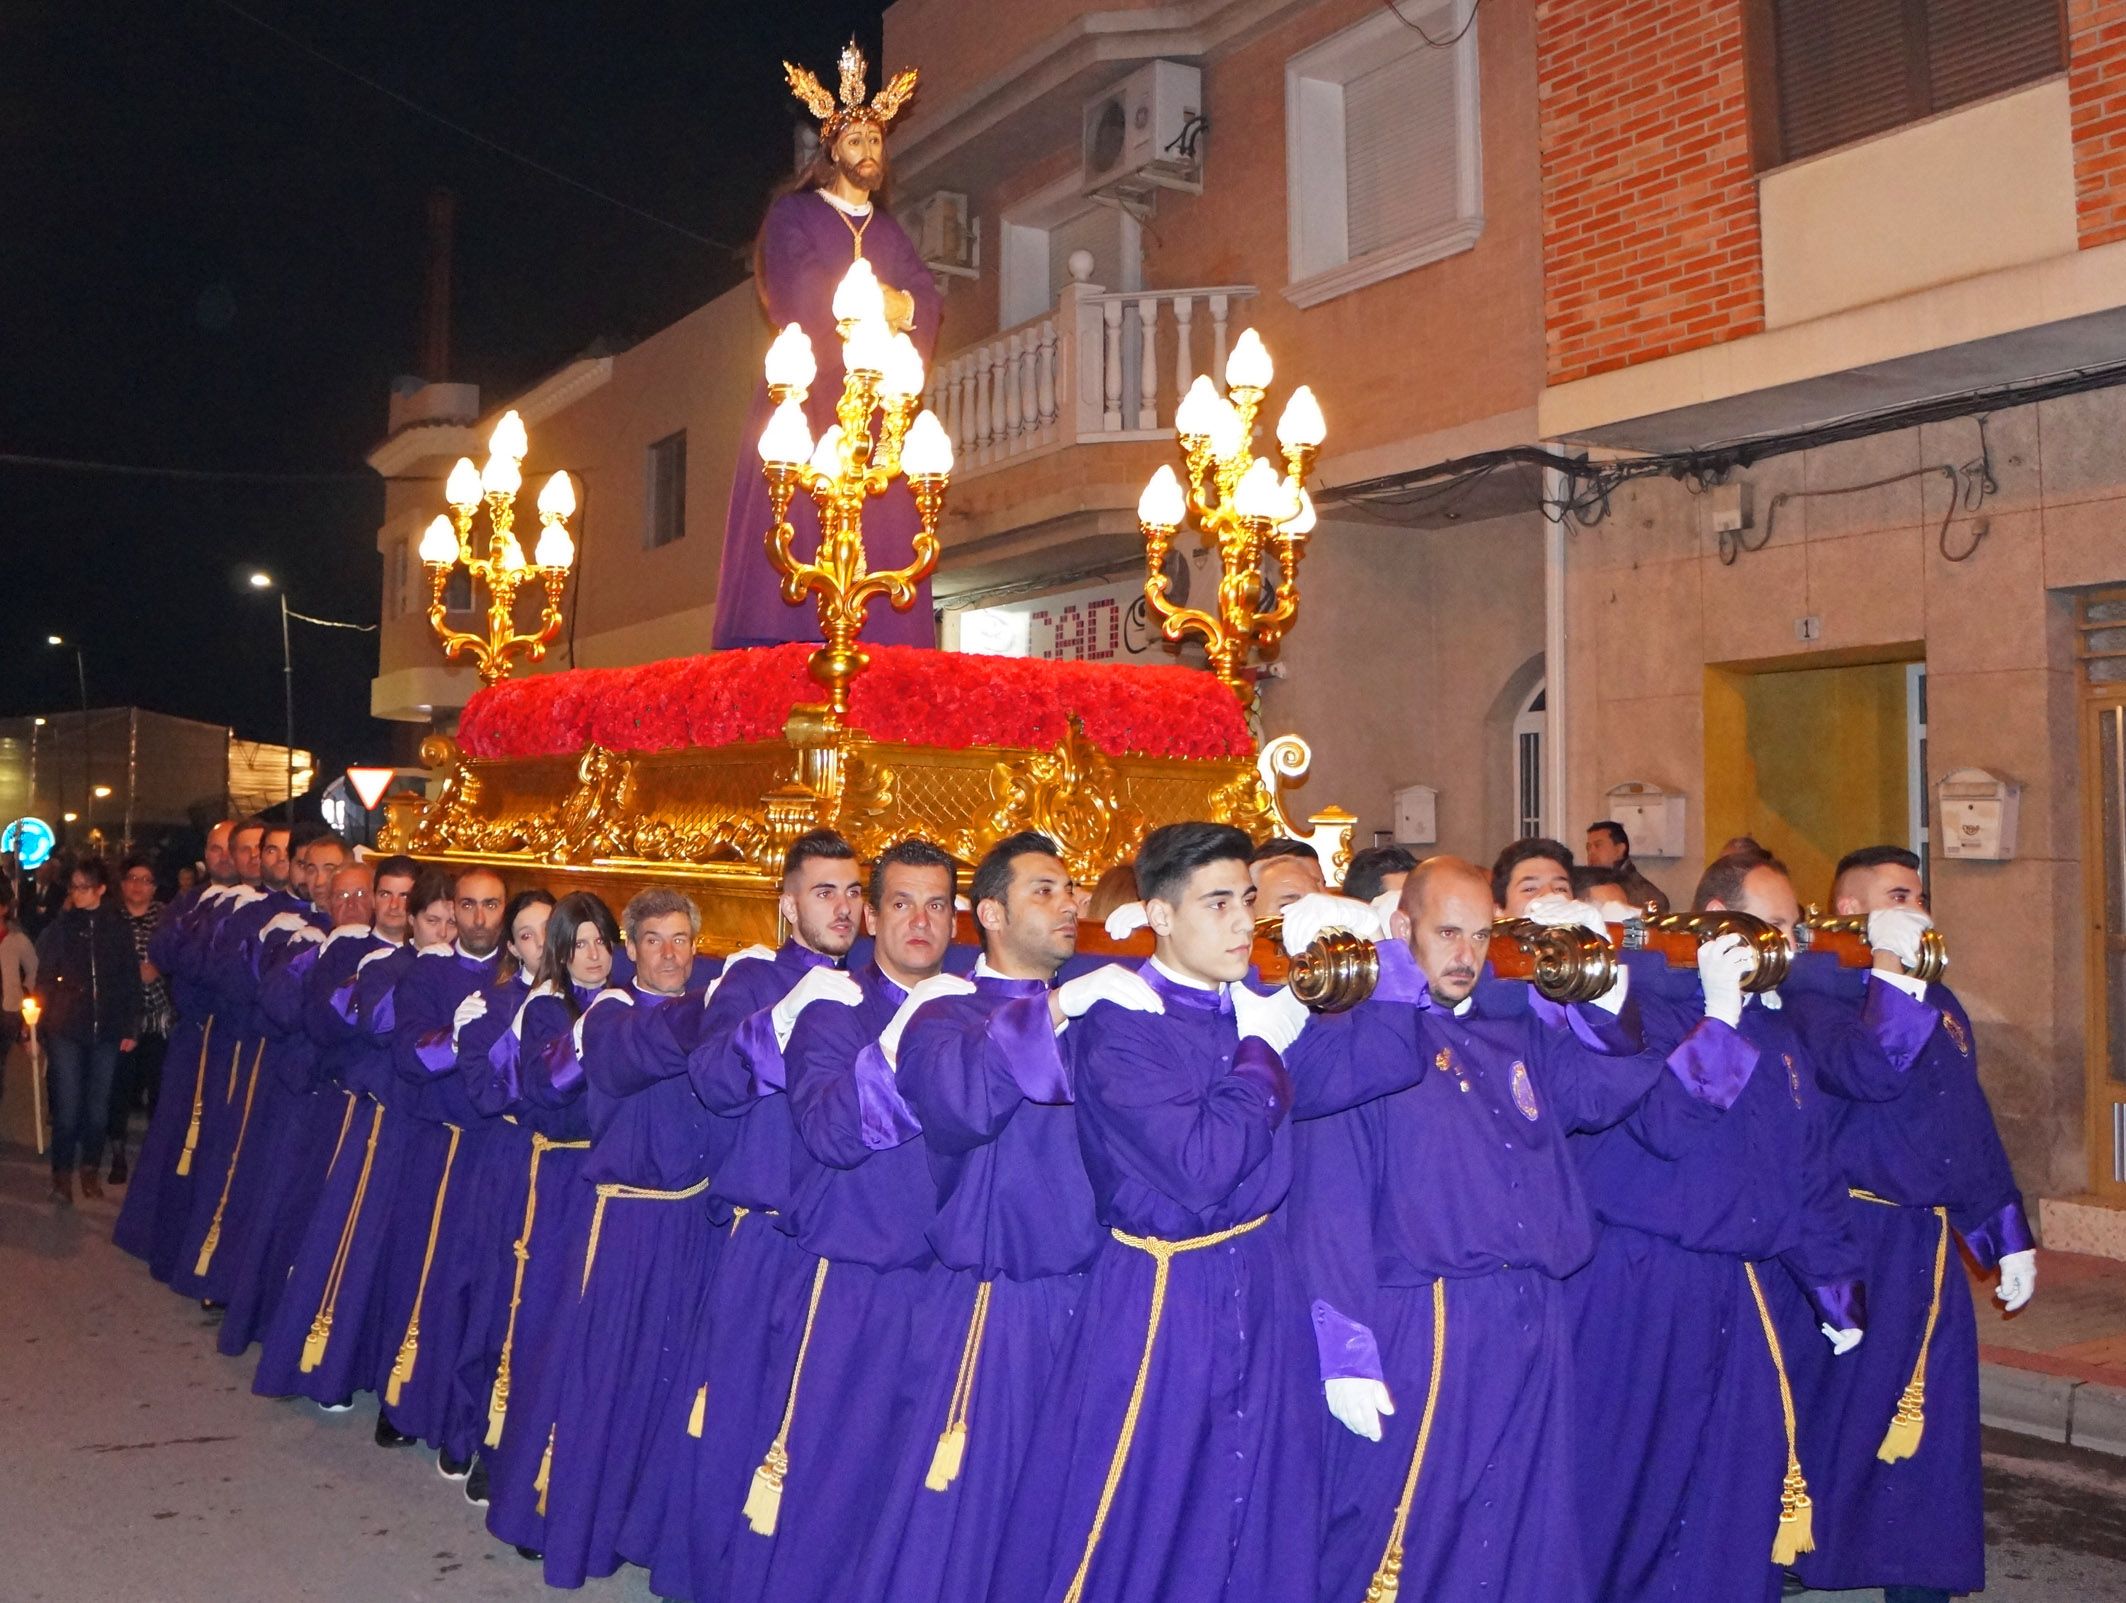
(1104, 365)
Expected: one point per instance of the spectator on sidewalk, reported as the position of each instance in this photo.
(1609, 847)
(18, 978)
(139, 1077)
(88, 980)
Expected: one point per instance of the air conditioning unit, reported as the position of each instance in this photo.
(1145, 134)
(949, 241)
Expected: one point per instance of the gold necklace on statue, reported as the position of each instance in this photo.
(856, 229)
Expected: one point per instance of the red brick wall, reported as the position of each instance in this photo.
(2096, 86)
(1650, 242)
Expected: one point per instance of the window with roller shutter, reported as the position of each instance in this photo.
(1385, 170)
(1825, 73)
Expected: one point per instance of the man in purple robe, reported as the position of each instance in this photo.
(882, 1312)
(156, 1191)
(1441, 1219)
(616, 1438)
(1724, 1249)
(1896, 1425)
(1176, 1454)
(737, 1378)
(981, 1070)
(438, 1237)
(834, 214)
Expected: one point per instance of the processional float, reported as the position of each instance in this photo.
(700, 772)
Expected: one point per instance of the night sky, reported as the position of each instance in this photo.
(211, 249)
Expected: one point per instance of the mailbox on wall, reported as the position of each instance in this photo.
(1978, 811)
(1651, 816)
(1416, 815)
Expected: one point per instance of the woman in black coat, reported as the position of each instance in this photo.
(88, 981)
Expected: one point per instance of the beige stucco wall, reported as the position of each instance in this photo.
(1650, 607)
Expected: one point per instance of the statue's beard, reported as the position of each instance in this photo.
(860, 175)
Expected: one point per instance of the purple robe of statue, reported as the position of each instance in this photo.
(1909, 1124)
(617, 1436)
(1722, 1172)
(984, 1075)
(752, 1313)
(806, 246)
(1464, 1180)
(535, 1075)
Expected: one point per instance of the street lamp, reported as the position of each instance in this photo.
(81, 674)
(261, 580)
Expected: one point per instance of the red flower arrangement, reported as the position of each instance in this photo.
(907, 696)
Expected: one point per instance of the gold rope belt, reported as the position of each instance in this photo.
(697, 1414)
(764, 1496)
(1162, 1255)
(321, 1326)
(199, 1096)
(1909, 1422)
(606, 1193)
(498, 1397)
(951, 1450)
(236, 1056)
(346, 1123)
(1797, 1524)
(1387, 1580)
(213, 1240)
(410, 1344)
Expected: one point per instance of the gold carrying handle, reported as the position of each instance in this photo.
(1834, 931)
(1774, 955)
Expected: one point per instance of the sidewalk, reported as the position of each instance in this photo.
(2057, 1369)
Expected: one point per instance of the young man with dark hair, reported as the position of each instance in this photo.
(139, 1078)
(746, 1339)
(1528, 870)
(1376, 870)
(89, 983)
(1608, 846)
(1189, 1328)
(1722, 1238)
(827, 1505)
(1913, 1138)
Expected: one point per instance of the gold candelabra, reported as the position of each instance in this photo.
(447, 543)
(881, 431)
(1245, 510)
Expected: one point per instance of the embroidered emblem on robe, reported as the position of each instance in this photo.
(1956, 1032)
(1524, 1092)
(1793, 1079)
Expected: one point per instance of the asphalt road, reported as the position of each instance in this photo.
(136, 1466)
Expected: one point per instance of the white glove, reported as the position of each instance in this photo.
(611, 993)
(1358, 1404)
(929, 990)
(1126, 920)
(1277, 1018)
(473, 1007)
(1305, 919)
(818, 985)
(1842, 1341)
(308, 934)
(433, 949)
(284, 923)
(1619, 912)
(2018, 1278)
(1563, 911)
(1897, 930)
(1111, 982)
(1385, 906)
(745, 954)
(1723, 964)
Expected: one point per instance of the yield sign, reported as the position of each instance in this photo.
(370, 784)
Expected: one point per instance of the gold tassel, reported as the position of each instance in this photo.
(764, 1496)
(946, 1458)
(402, 1365)
(314, 1342)
(228, 1180)
(697, 1415)
(546, 1469)
(1797, 1519)
(1387, 1579)
(199, 1092)
(410, 1346)
(498, 1403)
(1901, 1440)
(1387, 1582)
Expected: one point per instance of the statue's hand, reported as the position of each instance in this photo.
(900, 309)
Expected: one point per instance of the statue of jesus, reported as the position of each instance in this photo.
(833, 213)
